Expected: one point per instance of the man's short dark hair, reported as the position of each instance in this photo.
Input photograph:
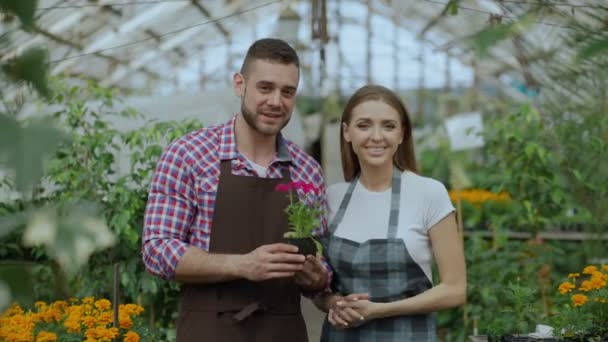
(270, 49)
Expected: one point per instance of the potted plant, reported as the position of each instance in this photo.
(303, 216)
(583, 307)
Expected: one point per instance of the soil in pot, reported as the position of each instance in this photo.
(306, 246)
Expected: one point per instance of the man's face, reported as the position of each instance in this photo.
(268, 95)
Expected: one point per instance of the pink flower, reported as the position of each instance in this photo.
(283, 187)
(305, 187)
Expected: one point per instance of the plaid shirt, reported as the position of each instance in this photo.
(179, 213)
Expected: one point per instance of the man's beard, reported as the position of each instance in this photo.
(250, 117)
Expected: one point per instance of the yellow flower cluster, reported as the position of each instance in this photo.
(594, 286)
(87, 318)
(479, 196)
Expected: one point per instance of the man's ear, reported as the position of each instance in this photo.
(345, 132)
(238, 82)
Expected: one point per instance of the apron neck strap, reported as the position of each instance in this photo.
(393, 219)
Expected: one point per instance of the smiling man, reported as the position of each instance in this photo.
(214, 222)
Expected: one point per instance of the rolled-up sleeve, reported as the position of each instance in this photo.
(169, 212)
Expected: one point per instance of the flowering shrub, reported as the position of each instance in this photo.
(477, 197)
(585, 307)
(87, 320)
(303, 215)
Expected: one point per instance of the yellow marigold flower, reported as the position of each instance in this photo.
(89, 321)
(105, 318)
(579, 299)
(566, 287)
(586, 286)
(45, 336)
(598, 282)
(131, 309)
(40, 305)
(88, 300)
(125, 321)
(131, 336)
(574, 275)
(478, 196)
(590, 269)
(103, 304)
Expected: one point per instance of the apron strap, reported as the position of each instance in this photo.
(393, 219)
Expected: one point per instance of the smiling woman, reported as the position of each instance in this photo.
(387, 225)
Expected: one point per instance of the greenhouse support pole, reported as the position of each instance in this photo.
(115, 296)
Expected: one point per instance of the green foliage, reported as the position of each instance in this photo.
(595, 47)
(26, 146)
(112, 168)
(23, 9)
(31, 67)
(492, 35)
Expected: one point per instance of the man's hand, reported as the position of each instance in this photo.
(271, 261)
(313, 276)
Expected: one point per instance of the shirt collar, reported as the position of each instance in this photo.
(228, 149)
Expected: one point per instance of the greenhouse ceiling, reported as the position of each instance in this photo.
(162, 46)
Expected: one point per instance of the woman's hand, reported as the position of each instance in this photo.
(341, 314)
(363, 309)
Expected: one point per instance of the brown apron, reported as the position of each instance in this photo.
(248, 213)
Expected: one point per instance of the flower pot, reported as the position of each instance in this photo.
(305, 245)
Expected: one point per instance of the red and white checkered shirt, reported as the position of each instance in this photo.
(182, 195)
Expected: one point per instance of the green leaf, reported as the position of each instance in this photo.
(490, 36)
(31, 67)
(24, 148)
(596, 47)
(23, 9)
(452, 7)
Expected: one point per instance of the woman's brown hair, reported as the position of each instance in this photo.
(404, 158)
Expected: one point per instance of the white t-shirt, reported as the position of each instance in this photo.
(424, 202)
(261, 170)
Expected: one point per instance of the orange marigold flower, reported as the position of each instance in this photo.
(579, 299)
(598, 282)
(45, 336)
(574, 275)
(89, 321)
(103, 304)
(566, 287)
(586, 286)
(131, 336)
(590, 269)
(105, 318)
(125, 321)
(88, 300)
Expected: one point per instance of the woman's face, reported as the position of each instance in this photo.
(375, 131)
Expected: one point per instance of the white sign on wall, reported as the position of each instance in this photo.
(464, 131)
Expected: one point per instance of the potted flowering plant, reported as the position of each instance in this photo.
(74, 320)
(303, 216)
(583, 314)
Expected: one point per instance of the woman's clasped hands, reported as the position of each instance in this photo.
(350, 311)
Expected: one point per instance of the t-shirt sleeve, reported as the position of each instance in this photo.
(439, 204)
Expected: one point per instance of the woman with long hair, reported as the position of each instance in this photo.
(387, 225)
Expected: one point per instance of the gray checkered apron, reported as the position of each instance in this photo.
(384, 269)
